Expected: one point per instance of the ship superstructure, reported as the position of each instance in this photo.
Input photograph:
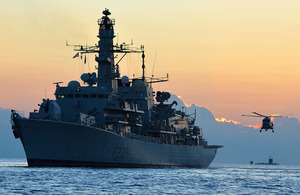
(111, 121)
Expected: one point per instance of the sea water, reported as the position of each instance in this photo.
(17, 178)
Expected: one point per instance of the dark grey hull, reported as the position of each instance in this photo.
(65, 163)
(52, 143)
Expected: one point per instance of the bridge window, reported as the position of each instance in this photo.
(93, 95)
(102, 96)
(85, 95)
(77, 95)
(70, 95)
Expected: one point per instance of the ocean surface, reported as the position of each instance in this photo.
(17, 178)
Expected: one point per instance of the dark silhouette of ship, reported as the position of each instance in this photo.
(111, 121)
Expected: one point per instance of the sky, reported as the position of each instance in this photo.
(232, 57)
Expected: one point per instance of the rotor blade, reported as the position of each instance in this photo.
(252, 115)
(259, 114)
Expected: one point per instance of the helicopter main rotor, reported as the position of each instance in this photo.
(261, 115)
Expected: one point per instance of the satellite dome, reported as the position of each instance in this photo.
(162, 96)
(166, 96)
(85, 77)
(138, 86)
(125, 80)
(74, 84)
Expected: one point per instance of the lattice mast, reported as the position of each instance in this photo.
(106, 66)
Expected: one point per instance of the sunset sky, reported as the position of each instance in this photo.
(232, 57)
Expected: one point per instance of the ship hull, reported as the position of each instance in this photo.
(53, 143)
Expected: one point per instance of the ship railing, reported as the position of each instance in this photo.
(142, 138)
(150, 139)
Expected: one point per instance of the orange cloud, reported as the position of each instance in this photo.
(224, 120)
(183, 101)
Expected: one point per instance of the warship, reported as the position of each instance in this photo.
(111, 121)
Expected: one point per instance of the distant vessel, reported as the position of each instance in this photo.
(111, 121)
(269, 163)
